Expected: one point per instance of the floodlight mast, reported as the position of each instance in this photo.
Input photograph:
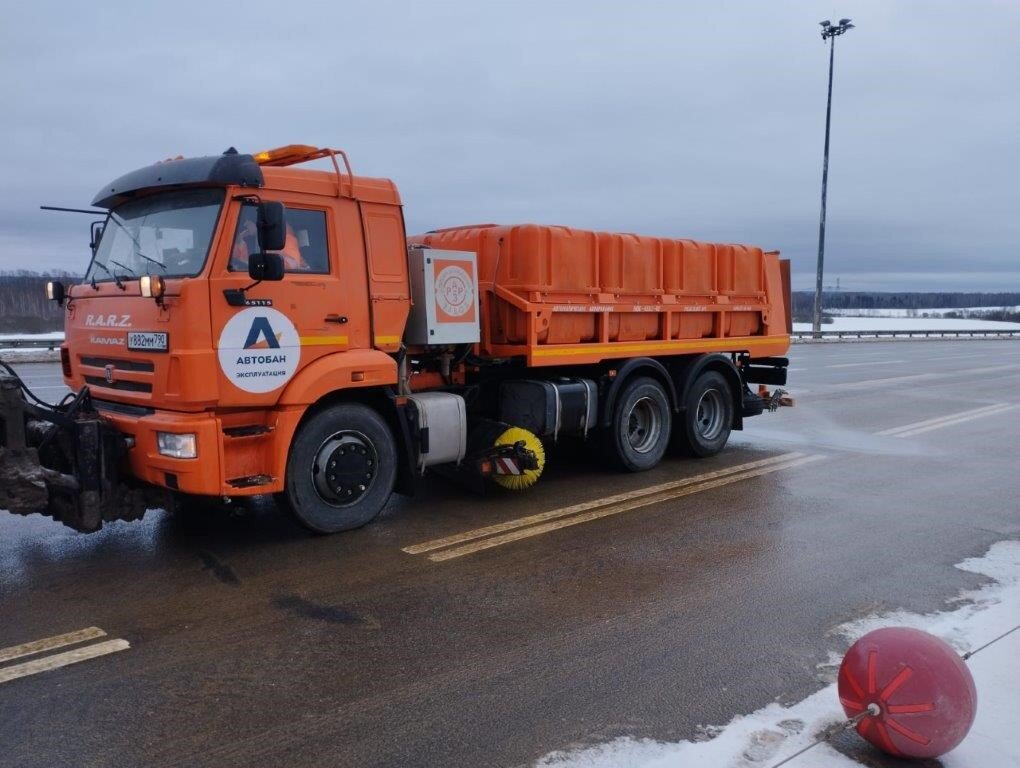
(830, 32)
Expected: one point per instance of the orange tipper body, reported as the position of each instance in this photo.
(248, 326)
(558, 296)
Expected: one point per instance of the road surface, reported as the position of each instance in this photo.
(460, 630)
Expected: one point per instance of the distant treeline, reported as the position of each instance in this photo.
(24, 307)
(803, 301)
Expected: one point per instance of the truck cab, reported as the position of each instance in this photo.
(193, 359)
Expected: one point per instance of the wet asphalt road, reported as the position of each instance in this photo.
(252, 643)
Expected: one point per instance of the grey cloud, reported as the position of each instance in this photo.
(686, 120)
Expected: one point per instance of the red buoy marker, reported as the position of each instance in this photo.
(925, 695)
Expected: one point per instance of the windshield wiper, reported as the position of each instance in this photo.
(115, 277)
(158, 263)
(138, 245)
(127, 269)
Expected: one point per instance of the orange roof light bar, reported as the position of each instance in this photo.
(292, 154)
(288, 155)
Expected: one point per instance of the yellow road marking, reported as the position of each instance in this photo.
(944, 421)
(509, 525)
(627, 506)
(57, 660)
(49, 643)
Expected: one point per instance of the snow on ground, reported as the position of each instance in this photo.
(909, 324)
(765, 737)
(889, 312)
(28, 355)
(50, 336)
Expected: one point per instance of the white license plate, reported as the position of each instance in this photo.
(147, 341)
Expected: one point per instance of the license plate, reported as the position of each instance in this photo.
(147, 341)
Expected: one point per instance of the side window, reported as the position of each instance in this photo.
(304, 251)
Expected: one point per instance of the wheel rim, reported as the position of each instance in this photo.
(644, 425)
(345, 468)
(709, 415)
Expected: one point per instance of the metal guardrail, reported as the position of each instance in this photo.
(957, 334)
(50, 344)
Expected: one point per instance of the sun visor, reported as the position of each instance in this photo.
(216, 170)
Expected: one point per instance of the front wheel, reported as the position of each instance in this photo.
(707, 419)
(341, 469)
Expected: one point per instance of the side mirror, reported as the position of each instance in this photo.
(265, 266)
(55, 291)
(272, 226)
(96, 231)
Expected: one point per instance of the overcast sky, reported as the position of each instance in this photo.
(700, 120)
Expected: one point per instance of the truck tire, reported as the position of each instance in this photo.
(639, 429)
(704, 426)
(341, 469)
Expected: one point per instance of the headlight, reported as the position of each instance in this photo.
(177, 446)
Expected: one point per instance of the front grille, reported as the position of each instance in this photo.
(123, 408)
(125, 372)
(143, 366)
(124, 386)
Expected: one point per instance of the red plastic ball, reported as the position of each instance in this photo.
(923, 689)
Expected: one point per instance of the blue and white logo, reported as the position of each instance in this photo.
(259, 349)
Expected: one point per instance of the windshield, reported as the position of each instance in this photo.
(166, 234)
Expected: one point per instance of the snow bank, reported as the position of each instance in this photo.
(765, 737)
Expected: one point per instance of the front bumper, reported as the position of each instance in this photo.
(238, 454)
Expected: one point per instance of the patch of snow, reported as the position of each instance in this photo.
(910, 324)
(28, 355)
(50, 336)
(774, 732)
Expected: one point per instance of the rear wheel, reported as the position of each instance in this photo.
(705, 424)
(341, 469)
(639, 429)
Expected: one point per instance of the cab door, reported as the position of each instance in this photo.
(263, 339)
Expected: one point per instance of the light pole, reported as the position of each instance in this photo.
(830, 32)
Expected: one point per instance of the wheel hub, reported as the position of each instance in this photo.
(344, 469)
(644, 425)
(709, 418)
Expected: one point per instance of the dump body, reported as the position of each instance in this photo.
(558, 295)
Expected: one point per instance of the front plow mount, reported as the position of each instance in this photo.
(62, 460)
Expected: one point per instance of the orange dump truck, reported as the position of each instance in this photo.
(248, 327)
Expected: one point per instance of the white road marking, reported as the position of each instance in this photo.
(57, 660)
(915, 377)
(891, 380)
(615, 509)
(49, 643)
(867, 362)
(552, 514)
(928, 425)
